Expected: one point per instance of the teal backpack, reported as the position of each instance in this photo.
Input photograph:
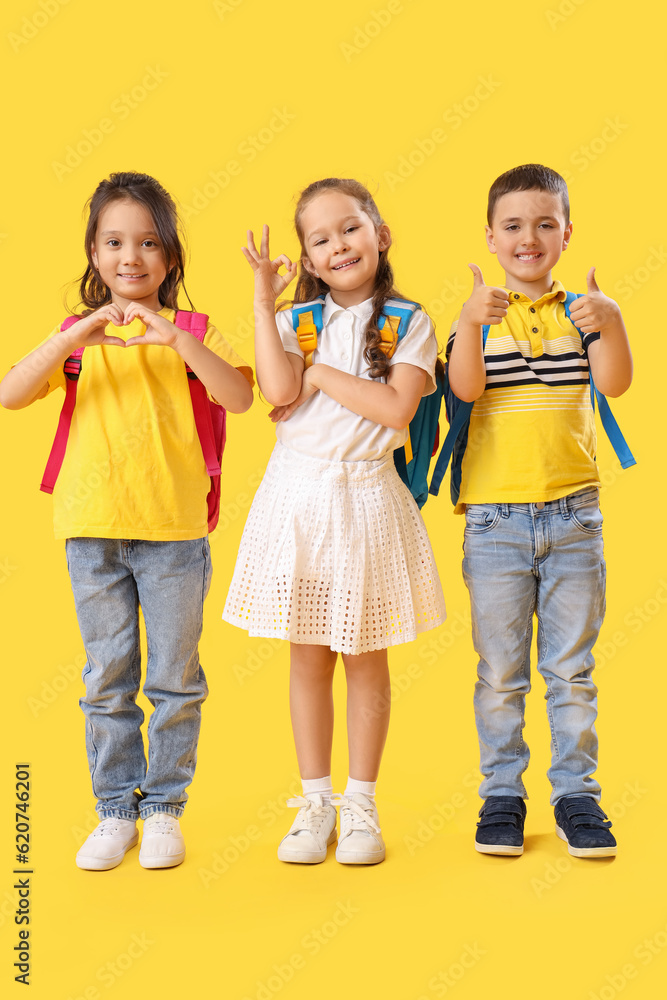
(413, 459)
(458, 415)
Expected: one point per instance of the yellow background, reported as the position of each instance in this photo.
(344, 89)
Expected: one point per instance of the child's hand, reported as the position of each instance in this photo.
(594, 311)
(487, 304)
(90, 330)
(279, 413)
(158, 329)
(269, 284)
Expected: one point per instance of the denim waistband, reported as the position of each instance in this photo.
(561, 506)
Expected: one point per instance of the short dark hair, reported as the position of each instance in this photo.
(528, 177)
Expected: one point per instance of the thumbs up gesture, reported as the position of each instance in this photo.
(487, 304)
(594, 311)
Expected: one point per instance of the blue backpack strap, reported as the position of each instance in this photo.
(612, 430)
(401, 310)
(307, 321)
(423, 430)
(460, 420)
(410, 457)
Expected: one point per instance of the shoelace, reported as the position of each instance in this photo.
(107, 828)
(312, 812)
(353, 816)
(162, 826)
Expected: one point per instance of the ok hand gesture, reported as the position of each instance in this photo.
(269, 283)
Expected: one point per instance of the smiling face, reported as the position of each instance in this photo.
(343, 246)
(128, 254)
(529, 232)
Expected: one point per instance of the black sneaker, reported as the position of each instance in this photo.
(500, 827)
(581, 822)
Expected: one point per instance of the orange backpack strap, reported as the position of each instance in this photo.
(307, 323)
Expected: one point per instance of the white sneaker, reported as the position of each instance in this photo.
(311, 832)
(162, 844)
(360, 841)
(105, 847)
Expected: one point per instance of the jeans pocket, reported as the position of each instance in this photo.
(481, 517)
(588, 517)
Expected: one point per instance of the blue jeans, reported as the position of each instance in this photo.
(111, 579)
(542, 559)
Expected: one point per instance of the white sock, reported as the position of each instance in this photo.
(366, 788)
(318, 786)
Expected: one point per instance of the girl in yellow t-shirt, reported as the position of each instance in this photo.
(131, 500)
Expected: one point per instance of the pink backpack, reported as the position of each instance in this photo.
(210, 417)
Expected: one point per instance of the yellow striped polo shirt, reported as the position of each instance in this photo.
(532, 431)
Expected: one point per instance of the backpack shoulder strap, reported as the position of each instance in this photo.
(394, 322)
(393, 325)
(196, 324)
(460, 420)
(612, 430)
(307, 321)
(72, 370)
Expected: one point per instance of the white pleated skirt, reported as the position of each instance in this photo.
(334, 554)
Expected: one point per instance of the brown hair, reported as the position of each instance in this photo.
(529, 177)
(146, 191)
(309, 287)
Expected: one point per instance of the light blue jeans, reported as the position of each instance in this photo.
(111, 579)
(542, 559)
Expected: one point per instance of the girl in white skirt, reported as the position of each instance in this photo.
(335, 557)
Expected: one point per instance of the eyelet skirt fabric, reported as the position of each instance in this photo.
(335, 554)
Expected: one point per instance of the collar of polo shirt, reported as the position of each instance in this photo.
(556, 291)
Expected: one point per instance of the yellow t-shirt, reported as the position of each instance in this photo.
(532, 431)
(134, 466)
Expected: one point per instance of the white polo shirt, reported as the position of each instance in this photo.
(322, 427)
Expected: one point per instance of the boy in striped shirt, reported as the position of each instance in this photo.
(529, 489)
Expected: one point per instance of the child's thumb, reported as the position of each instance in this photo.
(591, 283)
(477, 278)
